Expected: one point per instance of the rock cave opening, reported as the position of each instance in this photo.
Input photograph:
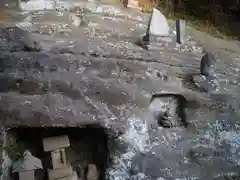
(87, 153)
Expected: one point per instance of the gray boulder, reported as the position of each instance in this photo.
(89, 83)
(208, 65)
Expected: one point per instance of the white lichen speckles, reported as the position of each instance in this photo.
(190, 46)
(136, 138)
(187, 178)
(26, 102)
(139, 176)
(218, 133)
(229, 174)
(137, 135)
(161, 178)
(24, 24)
(36, 5)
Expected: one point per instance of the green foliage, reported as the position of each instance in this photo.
(220, 18)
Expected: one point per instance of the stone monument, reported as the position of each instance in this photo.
(77, 17)
(60, 168)
(158, 25)
(157, 35)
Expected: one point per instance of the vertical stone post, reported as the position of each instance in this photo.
(181, 31)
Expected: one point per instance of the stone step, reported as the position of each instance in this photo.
(160, 42)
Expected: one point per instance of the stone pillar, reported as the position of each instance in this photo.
(58, 158)
(181, 31)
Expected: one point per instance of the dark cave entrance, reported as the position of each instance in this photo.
(88, 145)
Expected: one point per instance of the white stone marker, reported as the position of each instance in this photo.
(158, 25)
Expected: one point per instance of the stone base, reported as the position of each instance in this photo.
(54, 174)
(158, 42)
(26, 175)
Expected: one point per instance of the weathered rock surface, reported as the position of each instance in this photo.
(207, 84)
(15, 39)
(97, 75)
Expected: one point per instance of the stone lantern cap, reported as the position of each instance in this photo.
(55, 143)
(27, 163)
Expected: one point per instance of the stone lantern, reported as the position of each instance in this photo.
(26, 166)
(60, 169)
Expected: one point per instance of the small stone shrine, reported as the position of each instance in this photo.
(27, 166)
(60, 169)
(77, 17)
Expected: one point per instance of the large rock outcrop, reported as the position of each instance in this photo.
(88, 81)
